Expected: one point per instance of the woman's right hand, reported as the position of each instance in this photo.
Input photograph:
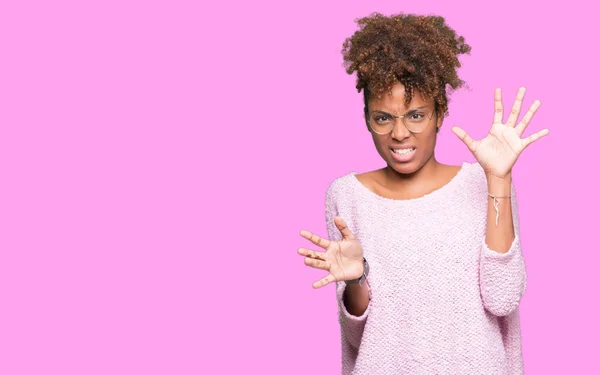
(343, 259)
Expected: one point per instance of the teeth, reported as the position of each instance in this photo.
(404, 152)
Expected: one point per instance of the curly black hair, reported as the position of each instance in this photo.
(419, 51)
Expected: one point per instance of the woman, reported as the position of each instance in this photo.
(426, 256)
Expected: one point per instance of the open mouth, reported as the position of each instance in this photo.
(403, 155)
(403, 151)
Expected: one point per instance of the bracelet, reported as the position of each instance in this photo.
(496, 204)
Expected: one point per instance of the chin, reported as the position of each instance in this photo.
(405, 168)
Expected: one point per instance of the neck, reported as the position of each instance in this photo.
(398, 181)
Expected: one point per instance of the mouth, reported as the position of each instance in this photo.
(403, 154)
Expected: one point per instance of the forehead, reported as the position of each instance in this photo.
(394, 102)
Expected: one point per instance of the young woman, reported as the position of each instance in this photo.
(426, 257)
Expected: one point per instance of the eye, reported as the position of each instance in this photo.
(381, 118)
(416, 114)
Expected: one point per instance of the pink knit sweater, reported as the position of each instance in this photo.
(442, 302)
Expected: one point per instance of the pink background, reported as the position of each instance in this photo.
(159, 159)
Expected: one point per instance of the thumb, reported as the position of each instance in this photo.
(341, 225)
(464, 137)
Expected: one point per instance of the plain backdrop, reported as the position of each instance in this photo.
(158, 160)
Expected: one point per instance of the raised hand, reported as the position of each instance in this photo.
(343, 259)
(499, 150)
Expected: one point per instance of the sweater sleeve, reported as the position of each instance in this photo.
(503, 277)
(351, 326)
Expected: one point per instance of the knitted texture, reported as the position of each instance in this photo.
(442, 302)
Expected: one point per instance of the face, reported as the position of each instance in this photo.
(423, 142)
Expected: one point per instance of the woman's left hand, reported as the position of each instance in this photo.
(499, 150)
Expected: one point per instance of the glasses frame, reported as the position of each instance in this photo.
(403, 117)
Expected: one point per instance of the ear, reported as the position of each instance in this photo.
(366, 111)
(440, 119)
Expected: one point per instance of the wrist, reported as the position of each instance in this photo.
(363, 277)
(499, 185)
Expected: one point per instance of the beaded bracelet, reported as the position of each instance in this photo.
(496, 204)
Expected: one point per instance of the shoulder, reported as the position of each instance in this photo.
(476, 179)
(339, 183)
(340, 186)
(474, 171)
(473, 178)
(370, 179)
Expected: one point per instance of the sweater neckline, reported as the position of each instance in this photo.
(445, 188)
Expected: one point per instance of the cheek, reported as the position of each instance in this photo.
(380, 146)
(427, 142)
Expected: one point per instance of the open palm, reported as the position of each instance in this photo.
(343, 259)
(498, 152)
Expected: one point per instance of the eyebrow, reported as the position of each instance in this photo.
(386, 111)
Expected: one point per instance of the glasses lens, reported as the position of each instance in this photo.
(416, 121)
(381, 122)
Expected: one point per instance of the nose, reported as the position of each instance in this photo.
(400, 132)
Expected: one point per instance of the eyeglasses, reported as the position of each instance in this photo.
(415, 121)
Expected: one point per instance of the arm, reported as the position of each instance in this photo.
(502, 273)
(352, 298)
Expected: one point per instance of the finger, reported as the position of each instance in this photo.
(516, 109)
(324, 281)
(534, 137)
(527, 118)
(315, 263)
(341, 225)
(467, 140)
(498, 107)
(311, 253)
(317, 240)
